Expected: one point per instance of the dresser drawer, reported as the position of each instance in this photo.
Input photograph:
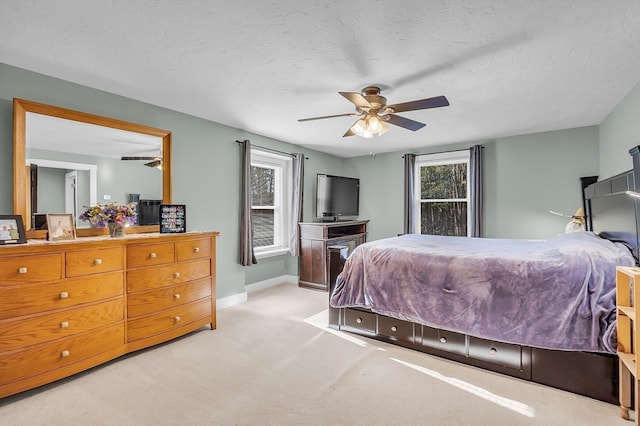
(193, 249)
(94, 261)
(150, 254)
(504, 354)
(360, 320)
(168, 320)
(29, 299)
(163, 276)
(24, 269)
(59, 353)
(146, 302)
(395, 329)
(21, 332)
(444, 340)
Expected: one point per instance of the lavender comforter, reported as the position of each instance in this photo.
(554, 294)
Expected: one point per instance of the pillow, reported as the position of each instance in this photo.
(629, 239)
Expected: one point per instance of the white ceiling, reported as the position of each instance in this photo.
(508, 67)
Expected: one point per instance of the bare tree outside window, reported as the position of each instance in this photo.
(443, 199)
(263, 182)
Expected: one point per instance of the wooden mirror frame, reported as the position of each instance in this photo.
(21, 178)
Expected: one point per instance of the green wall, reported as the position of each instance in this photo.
(620, 132)
(205, 160)
(525, 177)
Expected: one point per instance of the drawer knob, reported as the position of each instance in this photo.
(64, 324)
(493, 351)
(176, 275)
(394, 328)
(176, 296)
(97, 262)
(359, 320)
(65, 353)
(152, 255)
(22, 270)
(176, 318)
(443, 339)
(196, 249)
(64, 295)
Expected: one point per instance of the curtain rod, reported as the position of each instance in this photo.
(445, 152)
(273, 150)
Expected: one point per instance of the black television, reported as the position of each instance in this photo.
(337, 196)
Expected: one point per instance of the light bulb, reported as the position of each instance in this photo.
(374, 124)
(359, 127)
(367, 134)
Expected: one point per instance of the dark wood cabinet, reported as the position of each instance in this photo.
(316, 238)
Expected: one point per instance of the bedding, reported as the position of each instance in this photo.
(552, 294)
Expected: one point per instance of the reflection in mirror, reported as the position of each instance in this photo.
(66, 160)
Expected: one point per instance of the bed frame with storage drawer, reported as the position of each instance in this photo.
(68, 306)
(608, 207)
(589, 374)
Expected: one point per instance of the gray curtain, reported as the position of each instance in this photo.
(409, 185)
(247, 256)
(476, 192)
(296, 204)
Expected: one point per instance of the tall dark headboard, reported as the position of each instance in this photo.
(612, 207)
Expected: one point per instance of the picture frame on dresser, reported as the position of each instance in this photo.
(60, 227)
(12, 230)
(173, 218)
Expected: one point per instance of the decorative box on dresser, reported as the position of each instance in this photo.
(71, 305)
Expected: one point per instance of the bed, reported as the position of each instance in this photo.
(538, 310)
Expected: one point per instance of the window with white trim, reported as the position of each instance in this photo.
(442, 193)
(270, 202)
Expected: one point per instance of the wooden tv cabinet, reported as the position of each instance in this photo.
(315, 240)
(67, 306)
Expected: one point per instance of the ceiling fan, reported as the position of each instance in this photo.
(374, 112)
(153, 161)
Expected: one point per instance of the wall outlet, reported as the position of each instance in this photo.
(107, 197)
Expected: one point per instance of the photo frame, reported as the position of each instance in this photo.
(173, 218)
(60, 227)
(12, 230)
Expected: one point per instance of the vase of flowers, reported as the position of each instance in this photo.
(113, 215)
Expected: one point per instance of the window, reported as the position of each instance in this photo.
(442, 193)
(270, 203)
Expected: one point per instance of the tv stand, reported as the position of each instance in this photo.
(315, 240)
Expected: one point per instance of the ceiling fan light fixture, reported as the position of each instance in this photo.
(374, 124)
(369, 126)
(359, 127)
(374, 112)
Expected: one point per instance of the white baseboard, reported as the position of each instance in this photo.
(261, 285)
(228, 301)
(236, 299)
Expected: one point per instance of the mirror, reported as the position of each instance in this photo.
(64, 129)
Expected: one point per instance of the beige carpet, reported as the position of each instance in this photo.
(272, 361)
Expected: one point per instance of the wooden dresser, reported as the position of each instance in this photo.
(68, 306)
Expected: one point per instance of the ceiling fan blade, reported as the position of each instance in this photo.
(437, 102)
(139, 158)
(348, 133)
(154, 163)
(350, 114)
(412, 125)
(357, 99)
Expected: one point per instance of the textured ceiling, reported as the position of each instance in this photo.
(508, 67)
